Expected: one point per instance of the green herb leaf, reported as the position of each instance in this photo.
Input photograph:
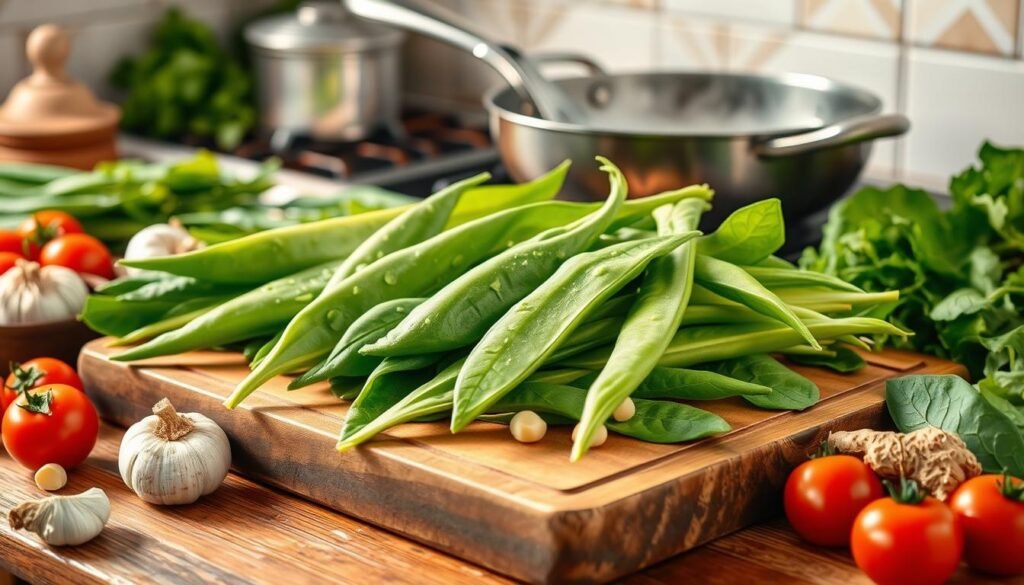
(790, 391)
(749, 235)
(952, 404)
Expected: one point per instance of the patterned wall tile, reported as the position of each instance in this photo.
(865, 18)
(781, 12)
(955, 101)
(983, 26)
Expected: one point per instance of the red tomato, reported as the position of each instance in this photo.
(79, 252)
(991, 510)
(11, 241)
(907, 540)
(8, 260)
(37, 372)
(824, 495)
(51, 424)
(49, 224)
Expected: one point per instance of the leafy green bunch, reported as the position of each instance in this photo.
(960, 272)
(186, 85)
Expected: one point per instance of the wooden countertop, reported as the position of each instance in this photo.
(249, 534)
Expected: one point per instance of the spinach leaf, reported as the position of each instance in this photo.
(952, 404)
(683, 384)
(844, 361)
(748, 236)
(655, 421)
(963, 301)
(790, 391)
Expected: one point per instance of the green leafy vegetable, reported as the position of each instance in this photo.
(843, 360)
(790, 391)
(952, 404)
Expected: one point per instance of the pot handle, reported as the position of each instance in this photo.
(842, 133)
(592, 67)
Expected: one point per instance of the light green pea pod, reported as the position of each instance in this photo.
(683, 384)
(460, 313)
(733, 283)
(264, 349)
(262, 311)
(276, 253)
(369, 327)
(392, 380)
(411, 272)
(649, 326)
(773, 278)
(696, 345)
(533, 329)
(417, 223)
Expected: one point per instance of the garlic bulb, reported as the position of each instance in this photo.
(33, 294)
(160, 239)
(63, 520)
(171, 458)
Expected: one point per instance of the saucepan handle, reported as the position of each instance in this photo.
(842, 133)
(587, 63)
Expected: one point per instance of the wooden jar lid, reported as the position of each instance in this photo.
(48, 109)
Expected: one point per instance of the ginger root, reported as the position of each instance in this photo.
(937, 460)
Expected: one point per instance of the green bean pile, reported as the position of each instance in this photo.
(483, 301)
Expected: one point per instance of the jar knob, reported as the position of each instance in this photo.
(48, 48)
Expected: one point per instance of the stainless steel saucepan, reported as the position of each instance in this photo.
(802, 138)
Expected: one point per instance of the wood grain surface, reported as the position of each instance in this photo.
(628, 505)
(247, 534)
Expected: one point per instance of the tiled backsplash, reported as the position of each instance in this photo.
(955, 67)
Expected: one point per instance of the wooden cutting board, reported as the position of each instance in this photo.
(522, 510)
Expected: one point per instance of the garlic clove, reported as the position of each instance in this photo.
(527, 427)
(63, 520)
(51, 477)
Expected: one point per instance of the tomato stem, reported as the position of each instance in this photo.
(907, 491)
(1011, 487)
(824, 450)
(38, 402)
(24, 378)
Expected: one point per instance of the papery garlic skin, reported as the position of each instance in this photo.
(175, 468)
(159, 240)
(30, 294)
(64, 520)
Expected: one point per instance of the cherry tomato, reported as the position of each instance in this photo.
(51, 424)
(991, 510)
(79, 252)
(11, 241)
(907, 539)
(8, 260)
(34, 373)
(824, 495)
(46, 225)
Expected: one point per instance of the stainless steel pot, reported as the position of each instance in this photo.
(325, 73)
(801, 138)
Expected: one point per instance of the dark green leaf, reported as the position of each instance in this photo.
(845, 361)
(790, 391)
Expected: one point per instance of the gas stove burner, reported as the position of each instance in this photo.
(423, 137)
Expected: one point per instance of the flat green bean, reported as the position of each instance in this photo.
(650, 325)
(411, 272)
(461, 312)
(533, 329)
(789, 278)
(259, 312)
(733, 283)
(790, 391)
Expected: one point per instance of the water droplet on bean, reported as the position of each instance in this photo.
(390, 278)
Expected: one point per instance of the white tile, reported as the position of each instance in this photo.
(620, 39)
(12, 61)
(31, 12)
(781, 12)
(97, 48)
(955, 101)
(686, 43)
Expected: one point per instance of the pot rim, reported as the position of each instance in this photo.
(821, 84)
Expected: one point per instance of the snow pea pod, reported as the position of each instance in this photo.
(460, 313)
(414, 271)
(682, 384)
(788, 278)
(369, 327)
(78, 205)
(790, 390)
(415, 224)
(179, 288)
(389, 382)
(533, 329)
(649, 326)
(162, 326)
(259, 312)
(34, 174)
(264, 350)
(733, 283)
(272, 254)
(695, 345)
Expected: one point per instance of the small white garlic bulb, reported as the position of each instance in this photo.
(64, 520)
(162, 239)
(33, 294)
(171, 458)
